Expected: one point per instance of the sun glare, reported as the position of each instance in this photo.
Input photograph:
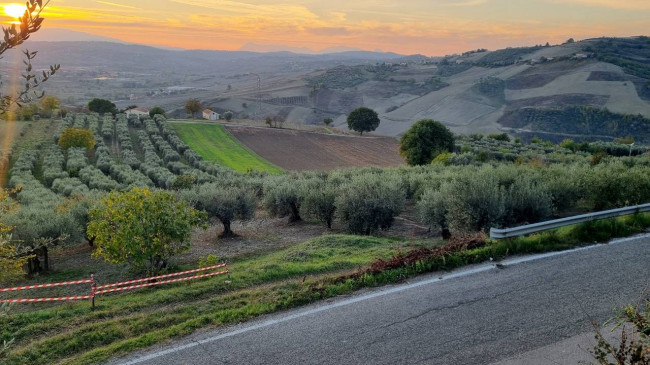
(14, 10)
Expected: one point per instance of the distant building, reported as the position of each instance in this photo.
(137, 111)
(210, 115)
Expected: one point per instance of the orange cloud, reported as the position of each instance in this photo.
(410, 26)
(614, 4)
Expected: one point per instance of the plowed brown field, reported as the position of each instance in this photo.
(300, 150)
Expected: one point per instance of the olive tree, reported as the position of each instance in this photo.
(319, 201)
(474, 203)
(142, 228)
(527, 201)
(368, 203)
(432, 211)
(424, 141)
(363, 120)
(225, 204)
(282, 197)
(39, 228)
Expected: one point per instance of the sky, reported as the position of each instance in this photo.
(429, 27)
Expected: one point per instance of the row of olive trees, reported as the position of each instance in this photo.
(458, 198)
(365, 203)
(477, 198)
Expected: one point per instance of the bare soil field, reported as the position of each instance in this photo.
(299, 150)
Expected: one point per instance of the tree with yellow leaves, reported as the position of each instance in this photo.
(11, 266)
(142, 228)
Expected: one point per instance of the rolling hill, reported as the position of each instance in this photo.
(593, 89)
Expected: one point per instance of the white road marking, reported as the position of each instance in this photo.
(460, 273)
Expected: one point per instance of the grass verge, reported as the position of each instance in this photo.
(214, 143)
(320, 268)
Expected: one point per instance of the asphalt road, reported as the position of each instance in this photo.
(478, 315)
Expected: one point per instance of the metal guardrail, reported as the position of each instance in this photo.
(557, 223)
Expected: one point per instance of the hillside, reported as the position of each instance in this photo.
(478, 91)
(608, 79)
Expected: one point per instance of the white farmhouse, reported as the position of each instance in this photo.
(210, 115)
(137, 111)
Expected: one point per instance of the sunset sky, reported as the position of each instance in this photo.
(430, 27)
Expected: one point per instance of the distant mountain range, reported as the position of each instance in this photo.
(66, 35)
(265, 48)
(139, 58)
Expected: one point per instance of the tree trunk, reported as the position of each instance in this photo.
(295, 213)
(46, 261)
(34, 264)
(227, 232)
(329, 223)
(446, 234)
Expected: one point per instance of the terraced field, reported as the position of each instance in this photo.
(215, 144)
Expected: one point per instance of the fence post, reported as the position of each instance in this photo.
(93, 289)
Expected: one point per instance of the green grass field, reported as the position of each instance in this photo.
(258, 284)
(214, 143)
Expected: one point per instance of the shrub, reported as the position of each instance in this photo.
(500, 137)
(443, 158)
(569, 144)
(142, 228)
(73, 137)
(634, 344)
